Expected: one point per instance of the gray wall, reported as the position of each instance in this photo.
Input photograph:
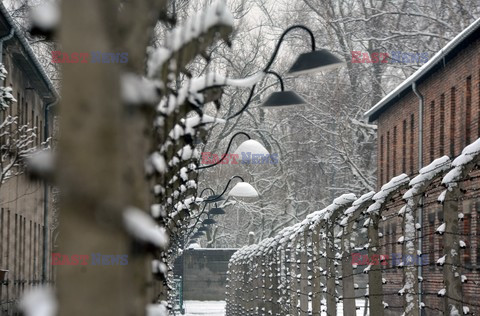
(204, 273)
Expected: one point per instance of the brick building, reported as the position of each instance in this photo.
(25, 234)
(435, 112)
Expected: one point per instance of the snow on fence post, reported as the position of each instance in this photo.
(304, 272)
(462, 166)
(268, 282)
(246, 286)
(288, 281)
(330, 269)
(183, 44)
(310, 268)
(274, 283)
(242, 281)
(250, 286)
(284, 243)
(267, 276)
(294, 279)
(238, 293)
(230, 288)
(245, 281)
(381, 198)
(257, 285)
(418, 187)
(316, 289)
(351, 217)
(239, 282)
(336, 209)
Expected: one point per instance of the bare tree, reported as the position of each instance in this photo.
(17, 141)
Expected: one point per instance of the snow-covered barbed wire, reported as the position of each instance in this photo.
(295, 267)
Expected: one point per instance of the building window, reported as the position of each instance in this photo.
(24, 275)
(381, 233)
(2, 223)
(40, 240)
(22, 252)
(22, 113)
(16, 113)
(394, 162)
(431, 240)
(467, 230)
(478, 101)
(8, 240)
(432, 131)
(404, 147)
(441, 148)
(468, 110)
(388, 157)
(41, 132)
(393, 241)
(441, 251)
(477, 208)
(35, 236)
(388, 239)
(381, 159)
(452, 121)
(37, 130)
(30, 254)
(15, 254)
(26, 114)
(412, 137)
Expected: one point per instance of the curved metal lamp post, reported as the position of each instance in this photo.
(315, 60)
(250, 143)
(282, 98)
(241, 189)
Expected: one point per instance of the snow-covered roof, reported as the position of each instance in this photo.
(31, 67)
(422, 72)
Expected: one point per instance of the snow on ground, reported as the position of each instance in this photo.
(217, 308)
(359, 303)
(210, 308)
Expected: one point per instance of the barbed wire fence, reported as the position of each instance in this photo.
(374, 249)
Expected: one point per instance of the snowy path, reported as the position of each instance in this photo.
(217, 308)
(210, 308)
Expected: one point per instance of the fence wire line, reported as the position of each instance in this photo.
(298, 275)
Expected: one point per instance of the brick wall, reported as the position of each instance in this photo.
(451, 121)
(22, 202)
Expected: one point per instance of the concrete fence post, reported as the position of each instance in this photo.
(413, 196)
(453, 181)
(381, 198)
(353, 213)
(316, 289)
(304, 273)
(293, 279)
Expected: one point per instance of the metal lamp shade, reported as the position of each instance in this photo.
(243, 189)
(283, 98)
(216, 211)
(248, 148)
(209, 221)
(202, 229)
(315, 61)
